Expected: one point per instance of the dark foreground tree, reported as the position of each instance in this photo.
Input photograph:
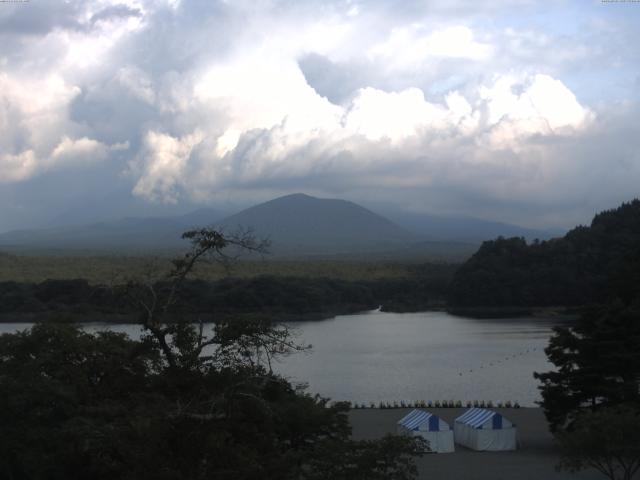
(181, 403)
(597, 363)
(607, 440)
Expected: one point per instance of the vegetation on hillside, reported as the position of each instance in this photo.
(506, 277)
(269, 296)
(592, 397)
(116, 269)
(579, 269)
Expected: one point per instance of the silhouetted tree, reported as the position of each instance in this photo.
(597, 363)
(607, 440)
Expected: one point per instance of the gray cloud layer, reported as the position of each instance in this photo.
(510, 110)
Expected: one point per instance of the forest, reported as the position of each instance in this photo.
(586, 266)
(276, 297)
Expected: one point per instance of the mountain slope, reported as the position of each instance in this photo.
(296, 224)
(582, 267)
(122, 234)
(300, 223)
(463, 229)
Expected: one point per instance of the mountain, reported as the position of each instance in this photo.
(297, 225)
(464, 229)
(127, 234)
(300, 224)
(199, 218)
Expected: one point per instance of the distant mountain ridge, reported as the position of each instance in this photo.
(127, 234)
(297, 224)
(465, 229)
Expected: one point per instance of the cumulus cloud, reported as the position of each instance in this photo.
(31, 108)
(163, 163)
(37, 92)
(266, 141)
(420, 102)
(81, 150)
(14, 168)
(540, 105)
(34, 119)
(412, 45)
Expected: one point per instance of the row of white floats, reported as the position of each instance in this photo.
(477, 429)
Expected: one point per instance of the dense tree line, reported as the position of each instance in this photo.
(578, 269)
(592, 396)
(78, 406)
(273, 296)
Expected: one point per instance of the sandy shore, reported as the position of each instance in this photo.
(534, 460)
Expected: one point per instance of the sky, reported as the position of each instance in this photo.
(514, 110)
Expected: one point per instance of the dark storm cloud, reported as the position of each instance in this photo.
(115, 12)
(38, 18)
(335, 82)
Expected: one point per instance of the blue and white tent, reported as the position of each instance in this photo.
(481, 429)
(430, 427)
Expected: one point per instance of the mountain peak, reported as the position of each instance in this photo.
(301, 223)
(295, 196)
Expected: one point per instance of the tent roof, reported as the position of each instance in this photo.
(476, 417)
(417, 418)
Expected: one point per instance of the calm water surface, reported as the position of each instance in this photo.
(374, 356)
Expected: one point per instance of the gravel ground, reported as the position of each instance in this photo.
(535, 458)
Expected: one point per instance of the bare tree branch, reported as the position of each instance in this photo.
(156, 300)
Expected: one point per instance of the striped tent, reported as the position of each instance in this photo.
(430, 427)
(481, 429)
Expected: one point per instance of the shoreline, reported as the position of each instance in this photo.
(130, 318)
(120, 318)
(482, 313)
(535, 458)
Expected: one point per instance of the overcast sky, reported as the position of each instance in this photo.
(524, 111)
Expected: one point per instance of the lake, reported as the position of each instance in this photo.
(376, 356)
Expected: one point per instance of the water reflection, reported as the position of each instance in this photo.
(422, 356)
(374, 356)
